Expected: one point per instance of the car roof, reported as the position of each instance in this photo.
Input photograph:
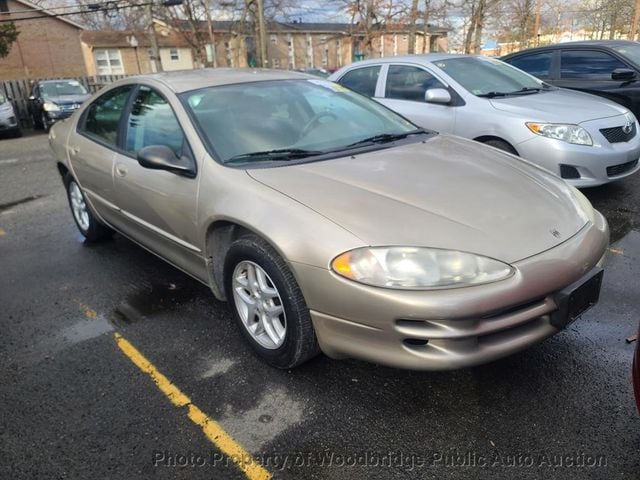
(420, 58)
(578, 44)
(187, 80)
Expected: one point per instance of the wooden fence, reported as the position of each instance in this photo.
(19, 91)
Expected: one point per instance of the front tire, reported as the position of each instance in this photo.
(268, 305)
(90, 227)
(501, 145)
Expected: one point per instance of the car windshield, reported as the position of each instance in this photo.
(631, 51)
(57, 89)
(488, 76)
(286, 119)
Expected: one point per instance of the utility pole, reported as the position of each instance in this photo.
(636, 19)
(262, 36)
(212, 40)
(536, 27)
(155, 51)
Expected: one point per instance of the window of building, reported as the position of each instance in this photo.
(102, 118)
(108, 62)
(4, 6)
(409, 83)
(174, 54)
(590, 64)
(152, 122)
(276, 63)
(537, 64)
(362, 80)
(274, 39)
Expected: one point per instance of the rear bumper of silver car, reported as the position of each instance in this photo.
(449, 329)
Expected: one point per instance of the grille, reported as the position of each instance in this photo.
(617, 135)
(616, 170)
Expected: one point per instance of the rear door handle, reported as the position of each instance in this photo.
(74, 151)
(121, 170)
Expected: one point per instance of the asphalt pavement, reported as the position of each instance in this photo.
(74, 403)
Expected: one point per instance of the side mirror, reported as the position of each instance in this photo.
(161, 157)
(623, 74)
(437, 95)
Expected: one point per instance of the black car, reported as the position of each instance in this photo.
(608, 68)
(53, 100)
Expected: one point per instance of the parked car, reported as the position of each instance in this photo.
(54, 100)
(608, 68)
(586, 140)
(330, 222)
(9, 123)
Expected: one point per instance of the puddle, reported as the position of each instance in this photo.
(155, 299)
(7, 206)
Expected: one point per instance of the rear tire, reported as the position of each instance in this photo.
(501, 145)
(90, 227)
(286, 339)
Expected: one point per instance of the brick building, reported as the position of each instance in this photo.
(46, 47)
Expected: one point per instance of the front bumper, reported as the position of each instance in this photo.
(448, 329)
(601, 163)
(8, 123)
(53, 117)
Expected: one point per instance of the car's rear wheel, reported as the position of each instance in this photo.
(90, 227)
(267, 304)
(501, 145)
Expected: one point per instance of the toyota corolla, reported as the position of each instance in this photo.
(331, 223)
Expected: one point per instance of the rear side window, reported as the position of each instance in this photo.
(590, 64)
(409, 83)
(102, 118)
(362, 80)
(152, 122)
(537, 64)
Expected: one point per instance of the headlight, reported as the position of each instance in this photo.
(418, 268)
(51, 107)
(567, 133)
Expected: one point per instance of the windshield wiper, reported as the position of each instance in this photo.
(385, 137)
(522, 91)
(277, 154)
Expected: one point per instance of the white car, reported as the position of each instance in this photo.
(584, 139)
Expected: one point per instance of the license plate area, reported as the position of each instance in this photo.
(577, 298)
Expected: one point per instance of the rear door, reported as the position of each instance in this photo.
(404, 92)
(91, 149)
(158, 207)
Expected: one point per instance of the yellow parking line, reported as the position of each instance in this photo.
(212, 429)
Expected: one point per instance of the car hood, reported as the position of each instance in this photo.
(559, 106)
(447, 192)
(68, 99)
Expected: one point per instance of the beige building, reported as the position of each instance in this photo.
(46, 47)
(129, 53)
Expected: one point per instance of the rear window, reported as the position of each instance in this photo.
(362, 80)
(590, 64)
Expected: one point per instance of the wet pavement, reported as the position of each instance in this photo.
(73, 406)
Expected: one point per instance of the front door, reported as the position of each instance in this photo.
(158, 207)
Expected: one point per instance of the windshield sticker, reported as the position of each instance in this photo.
(74, 83)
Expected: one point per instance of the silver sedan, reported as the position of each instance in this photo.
(584, 139)
(331, 223)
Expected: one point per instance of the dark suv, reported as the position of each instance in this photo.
(53, 100)
(609, 68)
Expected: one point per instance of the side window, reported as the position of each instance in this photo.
(591, 64)
(102, 118)
(362, 80)
(409, 83)
(537, 64)
(152, 122)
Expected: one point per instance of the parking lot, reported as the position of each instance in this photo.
(80, 401)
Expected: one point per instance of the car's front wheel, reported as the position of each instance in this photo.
(90, 227)
(267, 304)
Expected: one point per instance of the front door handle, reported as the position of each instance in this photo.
(74, 151)
(121, 170)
